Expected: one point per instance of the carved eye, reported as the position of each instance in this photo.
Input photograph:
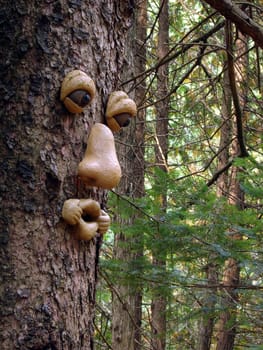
(120, 109)
(123, 119)
(85, 100)
(80, 97)
(77, 91)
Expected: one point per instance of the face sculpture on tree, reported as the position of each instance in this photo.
(100, 166)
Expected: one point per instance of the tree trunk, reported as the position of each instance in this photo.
(208, 319)
(48, 278)
(227, 321)
(139, 162)
(159, 300)
(126, 306)
(222, 188)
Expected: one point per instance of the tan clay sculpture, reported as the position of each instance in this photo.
(100, 166)
(103, 222)
(86, 216)
(120, 109)
(77, 91)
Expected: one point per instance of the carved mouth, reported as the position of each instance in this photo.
(87, 218)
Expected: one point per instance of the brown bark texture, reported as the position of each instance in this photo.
(48, 279)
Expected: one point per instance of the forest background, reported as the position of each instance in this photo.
(181, 267)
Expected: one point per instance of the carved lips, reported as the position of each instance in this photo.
(86, 216)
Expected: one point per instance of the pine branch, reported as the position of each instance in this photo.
(135, 206)
(221, 285)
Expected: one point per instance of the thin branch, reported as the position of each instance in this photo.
(135, 206)
(222, 286)
(219, 172)
(204, 285)
(216, 175)
(103, 338)
(185, 47)
(258, 69)
(154, 24)
(164, 162)
(185, 76)
(125, 307)
(232, 80)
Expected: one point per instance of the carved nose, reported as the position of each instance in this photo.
(100, 166)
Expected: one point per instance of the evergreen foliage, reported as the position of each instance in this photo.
(197, 227)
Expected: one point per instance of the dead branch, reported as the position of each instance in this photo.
(233, 87)
(245, 24)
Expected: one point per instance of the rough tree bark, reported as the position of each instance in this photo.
(48, 278)
(126, 306)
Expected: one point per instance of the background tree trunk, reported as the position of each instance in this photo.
(222, 188)
(48, 278)
(159, 300)
(231, 275)
(126, 306)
